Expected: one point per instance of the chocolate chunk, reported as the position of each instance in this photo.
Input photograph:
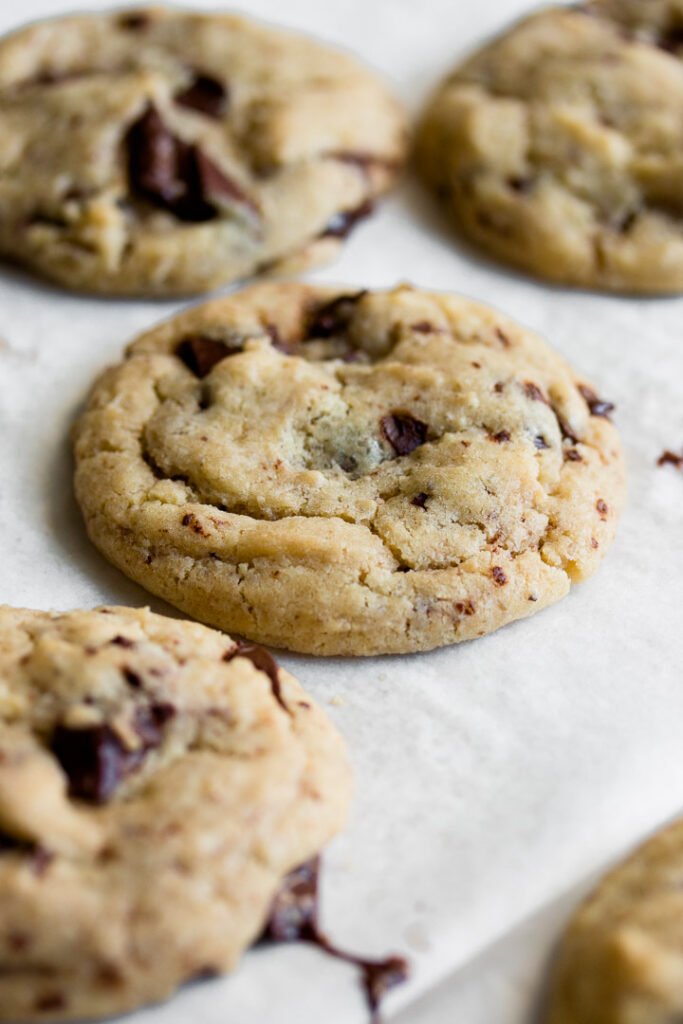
(201, 353)
(565, 428)
(672, 39)
(122, 641)
(191, 520)
(572, 455)
(601, 506)
(294, 910)
(465, 608)
(500, 437)
(533, 392)
(134, 21)
(205, 94)
(177, 176)
(94, 758)
(50, 1001)
(342, 224)
(596, 405)
(264, 662)
(502, 337)
(283, 345)
(380, 977)
(499, 576)
(349, 463)
(294, 918)
(423, 327)
(333, 317)
(419, 500)
(132, 678)
(540, 442)
(522, 185)
(403, 432)
(670, 458)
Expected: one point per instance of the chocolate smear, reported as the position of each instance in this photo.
(597, 406)
(94, 758)
(264, 662)
(333, 317)
(178, 176)
(205, 94)
(670, 459)
(294, 918)
(341, 224)
(403, 432)
(201, 353)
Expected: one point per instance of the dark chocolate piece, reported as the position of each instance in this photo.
(540, 441)
(499, 576)
(533, 392)
(597, 406)
(333, 317)
(501, 436)
(122, 641)
(205, 94)
(264, 662)
(177, 176)
(671, 39)
(671, 459)
(294, 918)
(201, 353)
(403, 432)
(341, 224)
(601, 506)
(419, 500)
(94, 758)
(134, 21)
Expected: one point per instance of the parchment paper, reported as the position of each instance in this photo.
(491, 778)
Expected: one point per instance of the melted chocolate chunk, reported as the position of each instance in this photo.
(540, 442)
(135, 21)
(533, 392)
(294, 910)
(565, 429)
(501, 436)
(122, 641)
(521, 185)
(333, 317)
(94, 758)
(294, 918)
(205, 94)
(201, 353)
(572, 455)
(597, 406)
(342, 224)
(672, 39)
(403, 432)
(671, 459)
(264, 662)
(499, 576)
(419, 500)
(177, 176)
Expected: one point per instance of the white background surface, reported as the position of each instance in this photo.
(494, 778)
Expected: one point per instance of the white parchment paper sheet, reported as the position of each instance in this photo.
(490, 778)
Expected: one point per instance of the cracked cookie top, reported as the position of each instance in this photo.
(161, 152)
(347, 472)
(157, 782)
(558, 145)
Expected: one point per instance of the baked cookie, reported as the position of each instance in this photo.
(348, 472)
(159, 152)
(558, 147)
(621, 960)
(157, 783)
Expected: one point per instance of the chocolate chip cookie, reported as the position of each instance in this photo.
(621, 959)
(558, 146)
(157, 783)
(159, 152)
(345, 472)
